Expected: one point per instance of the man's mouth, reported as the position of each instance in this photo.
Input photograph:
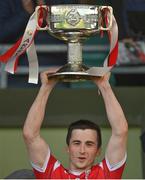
(82, 158)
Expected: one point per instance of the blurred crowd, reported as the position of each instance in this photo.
(131, 32)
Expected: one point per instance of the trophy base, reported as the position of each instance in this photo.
(71, 73)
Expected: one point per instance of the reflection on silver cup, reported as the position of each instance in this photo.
(73, 24)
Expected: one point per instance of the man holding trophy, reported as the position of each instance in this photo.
(84, 142)
(74, 23)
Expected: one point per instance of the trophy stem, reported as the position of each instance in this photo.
(74, 53)
(74, 70)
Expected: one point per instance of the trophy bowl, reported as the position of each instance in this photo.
(73, 24)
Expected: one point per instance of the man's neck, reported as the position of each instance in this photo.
(79, 171)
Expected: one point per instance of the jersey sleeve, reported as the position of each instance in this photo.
(49, 166)
(113, 171)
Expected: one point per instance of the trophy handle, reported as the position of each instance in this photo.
(37, 11)
(109, 18)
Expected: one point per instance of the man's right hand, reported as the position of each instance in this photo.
(45, 80)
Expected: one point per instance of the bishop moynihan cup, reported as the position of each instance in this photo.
(74, 23)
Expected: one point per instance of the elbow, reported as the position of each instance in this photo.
(125, 127)
(28, 135)
(122, 130)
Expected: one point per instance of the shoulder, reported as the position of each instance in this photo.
(52, 168)
(50, 162)
(104, 170)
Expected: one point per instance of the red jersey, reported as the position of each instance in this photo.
(54, 170)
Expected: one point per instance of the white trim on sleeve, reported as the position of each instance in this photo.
(43, 168)
(56, 165)
(113, 167)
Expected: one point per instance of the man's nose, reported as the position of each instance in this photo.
(82, 149)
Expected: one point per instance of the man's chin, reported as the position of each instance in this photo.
(81, 167)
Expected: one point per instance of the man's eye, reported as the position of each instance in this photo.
(89, 144)
(76, 143)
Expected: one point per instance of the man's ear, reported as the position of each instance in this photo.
(67, 149)
(98, 152)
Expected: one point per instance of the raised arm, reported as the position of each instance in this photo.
(36, 146)
(116, 148)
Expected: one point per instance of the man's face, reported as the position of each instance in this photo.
(82, 149)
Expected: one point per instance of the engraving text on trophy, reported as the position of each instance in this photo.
(73, 17)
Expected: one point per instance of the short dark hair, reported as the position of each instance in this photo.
(84, 124)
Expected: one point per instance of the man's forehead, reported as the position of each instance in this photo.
(84, 133)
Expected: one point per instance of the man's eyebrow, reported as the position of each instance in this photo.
(88, 142)
(76, 141)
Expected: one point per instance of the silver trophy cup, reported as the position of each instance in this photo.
(74, 24)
